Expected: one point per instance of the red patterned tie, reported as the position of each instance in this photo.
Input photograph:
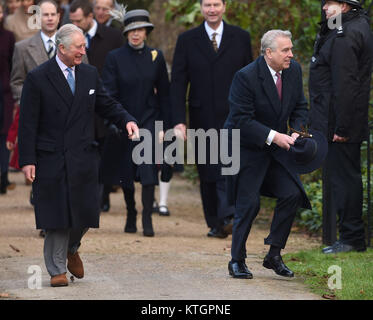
(279, 85)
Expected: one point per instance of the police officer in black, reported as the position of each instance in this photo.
(339, 86)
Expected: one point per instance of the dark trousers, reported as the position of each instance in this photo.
(343, 192)
(276, 181)
(215, 203)
(4, 154)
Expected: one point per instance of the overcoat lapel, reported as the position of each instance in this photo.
(269, 86)
(59, 82)
(80, 89)
(286, 90)
(202, 40)
(225, 40)
(37, 50)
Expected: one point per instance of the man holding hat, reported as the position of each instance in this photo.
(339, 85)
(265, 96)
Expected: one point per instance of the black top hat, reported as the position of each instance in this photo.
(307, 154)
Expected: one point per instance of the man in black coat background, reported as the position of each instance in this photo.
(339, 86)
(100, 40)
(57, 149)
(206, 59)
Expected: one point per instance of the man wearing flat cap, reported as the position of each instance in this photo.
(339, 86)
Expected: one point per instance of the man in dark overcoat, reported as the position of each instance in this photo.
(339, 86)
(205, 60)
(100, 40)
(58, 152)
(264, 97)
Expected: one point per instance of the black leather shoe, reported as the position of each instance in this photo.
(239, 270)
(343, 247)
(163, 211)
(228, 225)
(130, 224)
(215, 233)
(330, 247)
(275, 263)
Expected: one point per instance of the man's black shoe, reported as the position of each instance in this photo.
(343, 247)
(330, 247)
(215, 233)
(239, 270)
(275, 263)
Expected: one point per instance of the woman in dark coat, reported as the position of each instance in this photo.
(6, 54)
(137, 77)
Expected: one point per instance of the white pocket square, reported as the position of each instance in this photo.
(92, 91)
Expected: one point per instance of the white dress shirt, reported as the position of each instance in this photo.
(91, 32)
(46, 39)
(64, 67)
(272, 132)
(218, 31)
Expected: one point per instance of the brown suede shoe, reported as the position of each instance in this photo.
(75, 265)
(59, 280)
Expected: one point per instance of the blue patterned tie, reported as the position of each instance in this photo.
(88, 40)
(71, 80)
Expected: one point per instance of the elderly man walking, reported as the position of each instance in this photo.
(57, 149)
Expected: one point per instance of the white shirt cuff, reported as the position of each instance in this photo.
(270, 137)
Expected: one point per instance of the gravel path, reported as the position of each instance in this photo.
(180, 262)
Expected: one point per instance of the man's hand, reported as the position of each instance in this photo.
(133, 130)
(283, 140)
(180, 131)
(295, 135)
(337, 138)
(29, 172)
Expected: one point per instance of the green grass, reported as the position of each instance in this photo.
(356, 272)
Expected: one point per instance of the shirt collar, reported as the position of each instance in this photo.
(93, 30)
(210, 31)
(45, 38)
(63, 66)
(273, 72)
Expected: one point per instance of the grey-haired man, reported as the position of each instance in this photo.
(58, 152)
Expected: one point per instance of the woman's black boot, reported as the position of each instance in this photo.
(147, 202)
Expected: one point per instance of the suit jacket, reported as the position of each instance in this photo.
(28, 54)
(56, 133)
(255, 109)
(105, 40)
(209, 75)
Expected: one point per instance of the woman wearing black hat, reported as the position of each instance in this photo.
(137, 77)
